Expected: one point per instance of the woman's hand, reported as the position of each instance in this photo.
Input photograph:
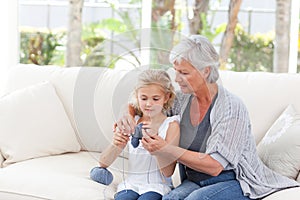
(149, 129)
(153, 143)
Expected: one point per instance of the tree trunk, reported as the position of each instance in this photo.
(195, 24)
(162, 39)
(160, 7)
(74, 34)
(228, 36)
(282, 36)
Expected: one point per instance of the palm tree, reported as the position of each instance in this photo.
(234, 7)
(282, 37)
(74, 33)
(195, 23)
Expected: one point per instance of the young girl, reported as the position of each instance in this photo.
(149, 175)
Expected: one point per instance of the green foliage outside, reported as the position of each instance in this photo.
(251, 52)
(92, 35)
(208, 31)
(47, 47)
(102, 54)
(41, 46)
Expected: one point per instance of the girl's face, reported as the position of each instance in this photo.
(188, 77)
(151, 99)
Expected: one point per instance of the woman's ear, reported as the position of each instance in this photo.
(206, 71)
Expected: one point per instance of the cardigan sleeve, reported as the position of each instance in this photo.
(230, 128)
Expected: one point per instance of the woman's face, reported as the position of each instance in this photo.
(151, 99)
(188, 77)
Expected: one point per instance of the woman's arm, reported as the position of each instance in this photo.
(109, 155)
(198, 161)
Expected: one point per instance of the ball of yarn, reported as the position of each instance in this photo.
(135, 142)
(137, 135)
(101, 175)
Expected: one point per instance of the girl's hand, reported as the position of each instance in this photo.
(125, 125)
(120, 140)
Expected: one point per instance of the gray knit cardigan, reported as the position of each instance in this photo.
(232, 138)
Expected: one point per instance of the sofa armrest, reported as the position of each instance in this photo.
(290, 194)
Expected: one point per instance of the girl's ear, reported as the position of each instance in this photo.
(167, 97)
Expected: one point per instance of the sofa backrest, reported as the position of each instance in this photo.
(94, 98)
(266, 95)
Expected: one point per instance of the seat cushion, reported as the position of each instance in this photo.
(290, 194)
(62, 177)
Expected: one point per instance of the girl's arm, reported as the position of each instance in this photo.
(109, 155)
(167, 164)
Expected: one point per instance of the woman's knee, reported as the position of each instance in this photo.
(227, 190)
(182, 191)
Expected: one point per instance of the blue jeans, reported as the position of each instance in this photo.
(221, 187)
(131, 195)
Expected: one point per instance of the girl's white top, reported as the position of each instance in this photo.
(144, 174)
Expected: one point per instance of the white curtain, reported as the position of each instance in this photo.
(9, 36)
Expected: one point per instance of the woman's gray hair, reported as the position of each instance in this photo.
(199, 51)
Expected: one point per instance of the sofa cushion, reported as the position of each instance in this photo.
(290, 194)
(62, 78)
(61, 177)
(34, 123)
(280, 147)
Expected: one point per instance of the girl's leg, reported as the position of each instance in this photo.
(181, 191)
(150, 195)
(226, 190)
(126, 195)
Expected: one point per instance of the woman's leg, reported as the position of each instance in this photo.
(126, 195)
(181, 191)
(227, 190)
(150, 195)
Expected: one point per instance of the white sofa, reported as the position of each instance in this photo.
(43, 161)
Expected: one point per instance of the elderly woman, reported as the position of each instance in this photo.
(217, 152)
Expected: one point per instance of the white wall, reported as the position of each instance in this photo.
(8, 36)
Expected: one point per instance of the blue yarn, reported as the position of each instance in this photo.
(101, 175)
(135, 140)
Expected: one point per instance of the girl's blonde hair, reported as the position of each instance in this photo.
(154, 77)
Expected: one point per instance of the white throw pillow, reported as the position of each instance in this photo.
(280, 147)
(1, 159)
(33, 123)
